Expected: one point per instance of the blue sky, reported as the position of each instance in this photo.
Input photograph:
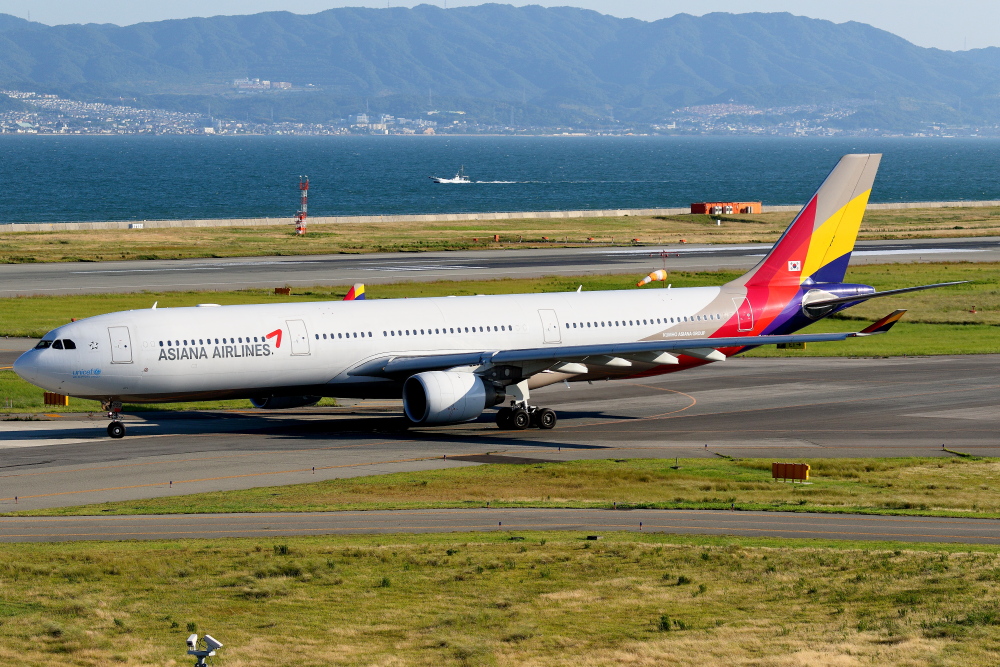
(945, 24)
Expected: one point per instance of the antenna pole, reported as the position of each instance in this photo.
(300, 217)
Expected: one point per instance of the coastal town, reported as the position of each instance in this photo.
(41, 114)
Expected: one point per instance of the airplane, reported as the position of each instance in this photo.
(452, 358)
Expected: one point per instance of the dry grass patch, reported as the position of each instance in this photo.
(179, 243)
(552, 599)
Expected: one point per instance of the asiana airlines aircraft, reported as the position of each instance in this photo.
(452, 358)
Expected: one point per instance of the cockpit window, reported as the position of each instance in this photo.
(57, 345)
(68, 344)
(42, 344)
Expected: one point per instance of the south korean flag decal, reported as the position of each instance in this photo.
(794, 266)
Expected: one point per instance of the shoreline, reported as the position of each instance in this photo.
(137, 225)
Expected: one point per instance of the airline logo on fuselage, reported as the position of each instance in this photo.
(218, 352)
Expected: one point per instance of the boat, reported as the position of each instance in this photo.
(460, 177)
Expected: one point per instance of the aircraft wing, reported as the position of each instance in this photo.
(697, 347)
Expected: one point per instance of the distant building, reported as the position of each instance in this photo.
(727, 207)
(281, 85)
(358, 119)
(251, 84)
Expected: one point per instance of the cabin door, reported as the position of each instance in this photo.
(299, 337)
(744, 314)
(121, 345)
(550, 326)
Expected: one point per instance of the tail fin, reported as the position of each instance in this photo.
(356, 293)
(816, 247)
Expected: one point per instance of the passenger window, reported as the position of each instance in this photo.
(393, 333)
(161, 343)
(574, 325)
(355, 334)
(216, 341)
(385, 334)
(324, 336)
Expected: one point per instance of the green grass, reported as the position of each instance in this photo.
(485, 599)
(959, 486)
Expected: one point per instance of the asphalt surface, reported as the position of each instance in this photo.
(780, 409)
(678, 522)
(239, 273)
(12, 348)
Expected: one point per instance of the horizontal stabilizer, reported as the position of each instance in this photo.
(873, 295)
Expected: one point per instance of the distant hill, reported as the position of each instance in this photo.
(544, 64)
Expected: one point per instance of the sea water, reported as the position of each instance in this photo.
(82, 178)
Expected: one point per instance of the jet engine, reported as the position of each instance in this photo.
(447, 397)
(284, 402)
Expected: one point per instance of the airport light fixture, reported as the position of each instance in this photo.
(210, 645)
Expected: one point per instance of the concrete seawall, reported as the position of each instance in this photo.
(448, 217)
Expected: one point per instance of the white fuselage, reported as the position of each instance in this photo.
(171, 354)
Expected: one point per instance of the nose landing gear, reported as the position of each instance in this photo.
(116, 429)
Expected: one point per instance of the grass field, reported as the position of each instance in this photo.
(490, 599)
(938, 321)
(96, 245)
(957, 486)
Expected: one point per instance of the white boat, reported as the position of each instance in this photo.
(460, 177)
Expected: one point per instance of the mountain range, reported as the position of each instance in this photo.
(546, 65)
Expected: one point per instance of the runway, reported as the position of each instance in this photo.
(594, 521)
(266, 272)
(783, 409)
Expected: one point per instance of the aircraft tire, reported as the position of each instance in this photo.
(546, 419)
(116, 430)
(503, 418)
(520, 420)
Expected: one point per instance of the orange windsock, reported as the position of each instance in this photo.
(659, 274)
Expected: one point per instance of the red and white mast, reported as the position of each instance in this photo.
(300, 217)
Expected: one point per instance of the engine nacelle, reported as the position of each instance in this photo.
(284, 402)
(447, 397)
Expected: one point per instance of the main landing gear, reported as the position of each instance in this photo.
(116, 429)
(520, 415)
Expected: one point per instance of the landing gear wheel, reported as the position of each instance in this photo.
(546, 419)
(116, 430)
(520, 420)
(503, 418)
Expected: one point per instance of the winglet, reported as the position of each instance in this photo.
(882, 325)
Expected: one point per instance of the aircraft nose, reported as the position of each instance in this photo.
(26, 366)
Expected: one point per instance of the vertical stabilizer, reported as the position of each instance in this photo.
(816, 247)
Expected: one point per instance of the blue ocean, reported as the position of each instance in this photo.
(72, 178)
